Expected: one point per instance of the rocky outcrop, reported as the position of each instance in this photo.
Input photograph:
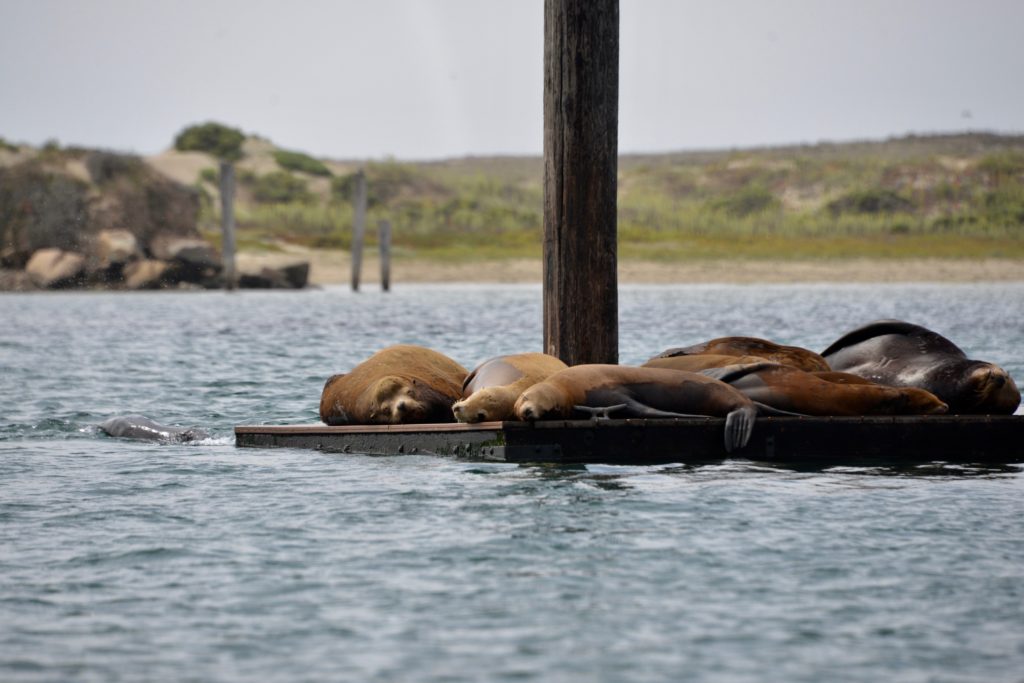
(54, 268)
(145, 274)
(293, 276)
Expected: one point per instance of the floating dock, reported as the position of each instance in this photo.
(810, 441)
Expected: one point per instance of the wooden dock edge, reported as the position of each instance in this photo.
(813, 441)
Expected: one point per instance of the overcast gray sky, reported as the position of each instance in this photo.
(417, 79)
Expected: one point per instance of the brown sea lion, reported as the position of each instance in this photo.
(490, 391)
(700, 361)
(639, 392)
(811, 393)
(397, 385)
(903, 354)
(800, 358)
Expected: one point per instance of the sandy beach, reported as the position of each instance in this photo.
(328, 267)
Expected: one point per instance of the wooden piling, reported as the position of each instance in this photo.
(384, 238)
(358, 227)
(581, 82)
(227, 222)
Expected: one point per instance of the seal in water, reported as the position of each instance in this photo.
(139, 427)
(397, 385)
(903, 354)
(490, 391)
(639, 392)
(800, 358)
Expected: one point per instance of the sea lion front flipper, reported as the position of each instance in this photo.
(739, 425)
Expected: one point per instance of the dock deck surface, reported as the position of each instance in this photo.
(814, 441)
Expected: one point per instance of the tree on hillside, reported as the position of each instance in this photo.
(213, 138)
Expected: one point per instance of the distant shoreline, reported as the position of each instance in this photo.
(330, 267)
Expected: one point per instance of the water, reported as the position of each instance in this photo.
(135, 561)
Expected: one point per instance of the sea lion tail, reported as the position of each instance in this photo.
(739, 425)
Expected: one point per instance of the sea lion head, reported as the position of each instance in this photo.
(990, 390)
(490, 404)
(394, 400)
(542, 401)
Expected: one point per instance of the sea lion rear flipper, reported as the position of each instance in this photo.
(765, 409)
(602, 413)
(870, 331)
(739, 425)
(731, 373)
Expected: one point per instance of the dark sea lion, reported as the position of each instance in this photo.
(139, 427)
(397, 385)
(701, 361)
(832, 393)
(795, 356)
(902, 354)
(490, 391)
(639, 392)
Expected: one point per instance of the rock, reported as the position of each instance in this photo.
(189, 250)
(261, 272)
(145, 274)
(52, 268)
(15, 281)
(115, 248)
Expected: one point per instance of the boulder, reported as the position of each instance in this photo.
(15, 281)
(192, 251)
(291, 276)
(115, 248)
(297, 274)
(145, 274)
(53, 268)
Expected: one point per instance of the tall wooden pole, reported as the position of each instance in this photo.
(384, 238)
(358, 227)
(581, 112)
(227, 222)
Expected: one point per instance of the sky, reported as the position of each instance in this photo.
(431, 79)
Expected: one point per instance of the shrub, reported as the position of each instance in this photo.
(1002, 165)
(105, 166)
(7, 147)
(210, 175)
(747, 201)
(873, 201)
(217, 139)
(303, 163)
(280, 187)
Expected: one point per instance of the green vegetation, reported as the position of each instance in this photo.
(7, 146)
(213, 138)
(210, 175)
(303, 163)
(941, 196)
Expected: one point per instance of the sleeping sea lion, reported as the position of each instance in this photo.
(139, 427)
(809, 393)
(902, 354)
(800, 358)
(490, 391)
(639, 392)
(396, 385)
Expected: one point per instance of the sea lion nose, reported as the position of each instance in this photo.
(528, 413)
(481, 416)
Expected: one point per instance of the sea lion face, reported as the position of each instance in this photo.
(992, 389)
(541, 401)
(487, 405)
(393, 400)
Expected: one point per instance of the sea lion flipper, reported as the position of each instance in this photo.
(602, 413)
(765, 409)
(739, 425)
(870, 331)
(731, 373)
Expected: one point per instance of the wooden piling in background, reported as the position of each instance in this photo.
(358, 227)
(227, 223)
(384, 238)
(581, 84)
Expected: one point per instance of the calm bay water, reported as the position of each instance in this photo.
(122, 560)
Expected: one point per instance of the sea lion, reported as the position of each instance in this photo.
(832, 393)
(903, 354)
(795, 356)
(639, 392)
(139, 427)
(701, 361)
(397, 385)
(490, 391)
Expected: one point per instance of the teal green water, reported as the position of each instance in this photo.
(131, 561)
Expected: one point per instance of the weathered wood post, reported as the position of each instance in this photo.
(581, 103)
(227, 222)
(358, 226)
(384, 238)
